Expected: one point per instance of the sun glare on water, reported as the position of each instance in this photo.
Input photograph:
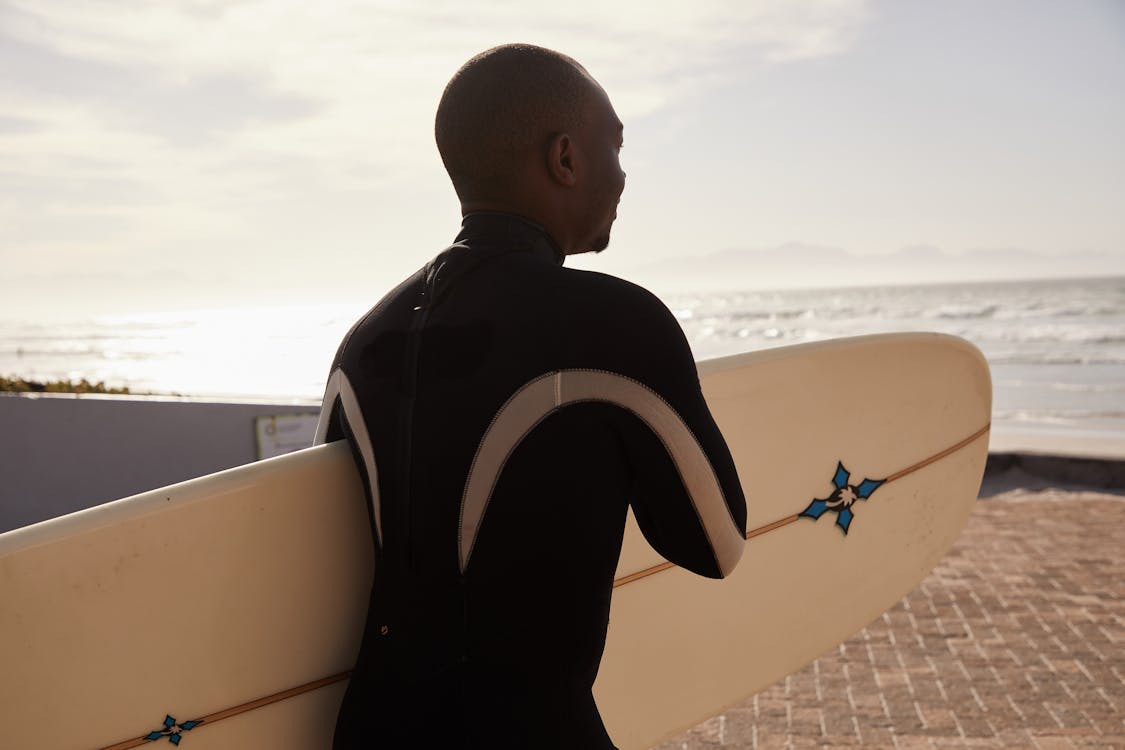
(274, 353)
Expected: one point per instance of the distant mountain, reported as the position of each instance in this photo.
(797, 265)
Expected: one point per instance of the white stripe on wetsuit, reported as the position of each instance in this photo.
(339, 387)
(542, 396)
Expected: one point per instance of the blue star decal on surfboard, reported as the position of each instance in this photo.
(172, 730)
(842, 498)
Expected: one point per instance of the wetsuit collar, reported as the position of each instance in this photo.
(511, 231)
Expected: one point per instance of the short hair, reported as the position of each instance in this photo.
(500, 104)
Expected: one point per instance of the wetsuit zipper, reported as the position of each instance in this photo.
(406, 431)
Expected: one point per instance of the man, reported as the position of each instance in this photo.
(504, 412)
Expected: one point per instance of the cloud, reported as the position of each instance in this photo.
(215, 117)
(9, 124)
(355, 77)
(184, 110)
(356, 74)
(386, 49)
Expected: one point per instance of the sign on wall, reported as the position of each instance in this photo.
(279, 434)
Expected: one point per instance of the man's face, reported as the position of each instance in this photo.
(602, 179)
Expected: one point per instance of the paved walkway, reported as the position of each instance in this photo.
(1016, 640)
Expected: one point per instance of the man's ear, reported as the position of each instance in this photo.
(560, 159)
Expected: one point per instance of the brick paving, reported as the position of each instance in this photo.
(1016, 640)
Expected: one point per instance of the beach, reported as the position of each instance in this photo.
(1015, 640)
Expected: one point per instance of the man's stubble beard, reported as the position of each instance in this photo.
(600, 243)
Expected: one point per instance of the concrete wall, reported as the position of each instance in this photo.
(1036, 471)
(63, 453)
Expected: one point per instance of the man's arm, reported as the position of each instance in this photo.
(687, 496)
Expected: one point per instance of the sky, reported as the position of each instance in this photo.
(197, 154)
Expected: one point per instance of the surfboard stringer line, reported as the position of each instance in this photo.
(172, 731)
(790, 519)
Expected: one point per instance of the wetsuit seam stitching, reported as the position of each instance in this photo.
(371, 491)
(557, 374)
(496, 480)
(476, 458)
(669, 453)
(680, 417)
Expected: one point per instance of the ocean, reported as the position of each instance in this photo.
(1056, 348)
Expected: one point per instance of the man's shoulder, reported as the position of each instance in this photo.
(616, 291)
(610, 311)
(396, 301)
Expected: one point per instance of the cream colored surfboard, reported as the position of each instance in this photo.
(224, 612)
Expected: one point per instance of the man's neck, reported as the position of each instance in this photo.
(509, 226)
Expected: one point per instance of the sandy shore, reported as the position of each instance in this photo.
(1016, 640)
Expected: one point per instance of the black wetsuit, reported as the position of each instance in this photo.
(504, 412)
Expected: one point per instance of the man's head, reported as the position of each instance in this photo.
(527, 130)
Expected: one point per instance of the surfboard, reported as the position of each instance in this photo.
(226, 611)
